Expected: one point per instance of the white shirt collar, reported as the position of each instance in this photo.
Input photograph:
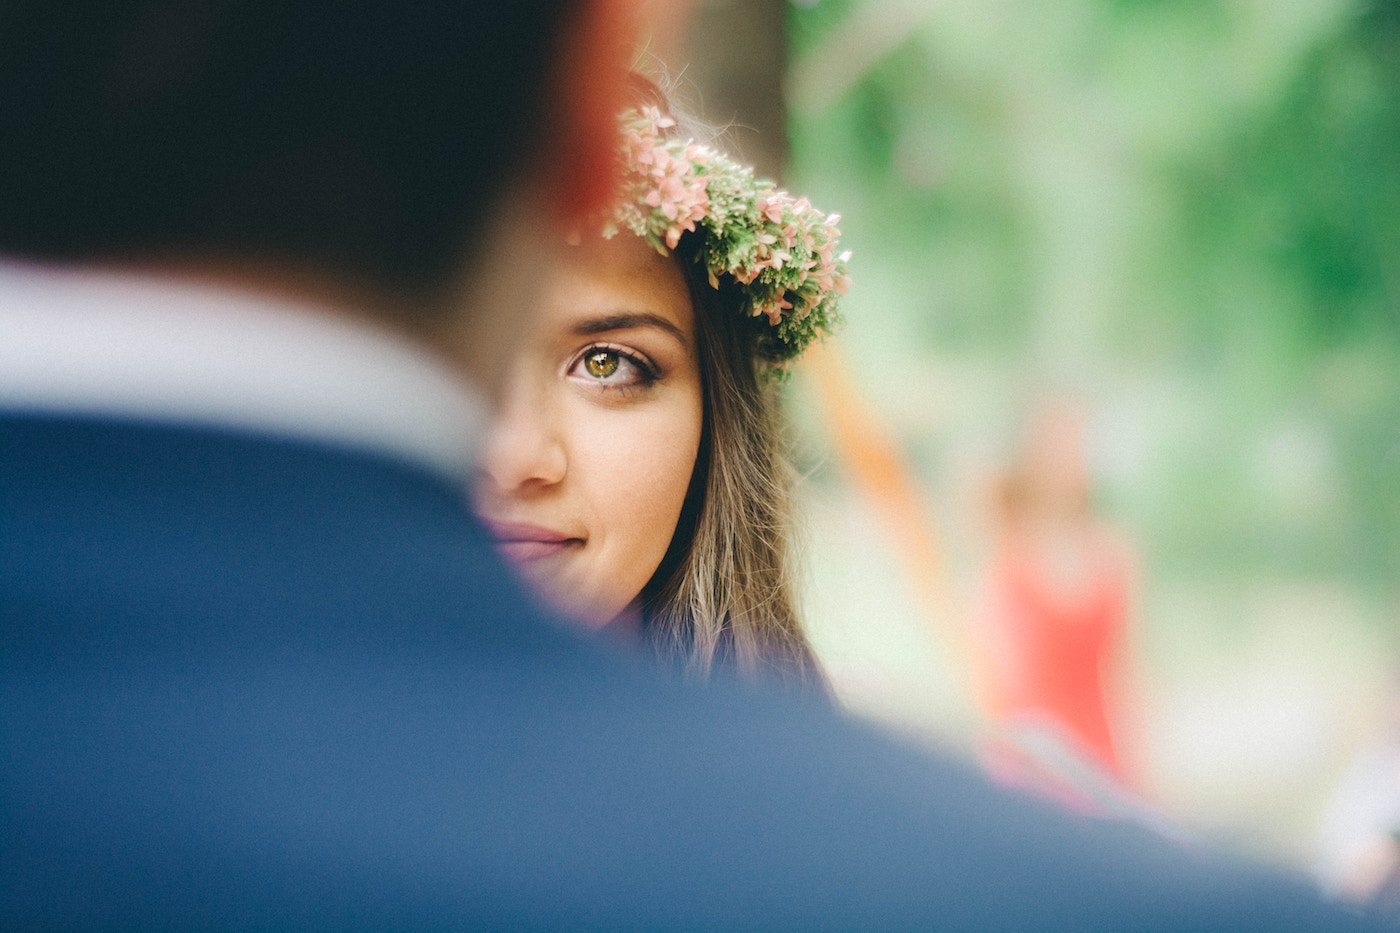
(82, 342)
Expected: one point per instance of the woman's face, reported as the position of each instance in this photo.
(588, 461)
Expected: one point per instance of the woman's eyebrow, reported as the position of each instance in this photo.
(626, 320)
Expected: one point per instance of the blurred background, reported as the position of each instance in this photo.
(1143, 252)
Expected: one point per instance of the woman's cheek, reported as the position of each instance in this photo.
(644, 484)
(652, 469)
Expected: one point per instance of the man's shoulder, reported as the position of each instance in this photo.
(304, 543)
(293, 685)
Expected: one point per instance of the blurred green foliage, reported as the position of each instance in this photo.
(1191, 207)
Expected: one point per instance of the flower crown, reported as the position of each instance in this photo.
(779, 249)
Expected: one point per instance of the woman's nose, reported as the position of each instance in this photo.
(523, 450)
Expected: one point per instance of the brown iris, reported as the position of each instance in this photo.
(601, 363)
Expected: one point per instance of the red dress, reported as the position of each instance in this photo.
(1052, 653)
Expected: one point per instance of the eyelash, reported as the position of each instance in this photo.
(646, 370)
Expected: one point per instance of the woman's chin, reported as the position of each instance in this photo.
(563, 583)
(571, 602)
(594, 615)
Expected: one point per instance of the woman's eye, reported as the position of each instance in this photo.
(609, 368)
(601, 363)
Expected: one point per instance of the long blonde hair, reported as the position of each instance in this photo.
(725, 591)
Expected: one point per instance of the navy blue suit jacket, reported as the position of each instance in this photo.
(259, 684)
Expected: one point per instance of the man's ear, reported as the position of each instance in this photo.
(588, 91)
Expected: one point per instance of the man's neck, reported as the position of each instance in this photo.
(196, 349)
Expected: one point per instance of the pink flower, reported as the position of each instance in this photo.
(775, 311)
(770, 207)
(745, 276)
(656, 118)
(673, 234)
(786, 264)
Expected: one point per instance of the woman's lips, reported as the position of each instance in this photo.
(525, 551)
(523, 542)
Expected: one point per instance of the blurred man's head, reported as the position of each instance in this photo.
(359, 145)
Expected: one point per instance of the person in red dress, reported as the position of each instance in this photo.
(1058, 600)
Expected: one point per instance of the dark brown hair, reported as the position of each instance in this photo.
(359, 140)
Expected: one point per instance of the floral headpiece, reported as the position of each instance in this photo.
(780, 249)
